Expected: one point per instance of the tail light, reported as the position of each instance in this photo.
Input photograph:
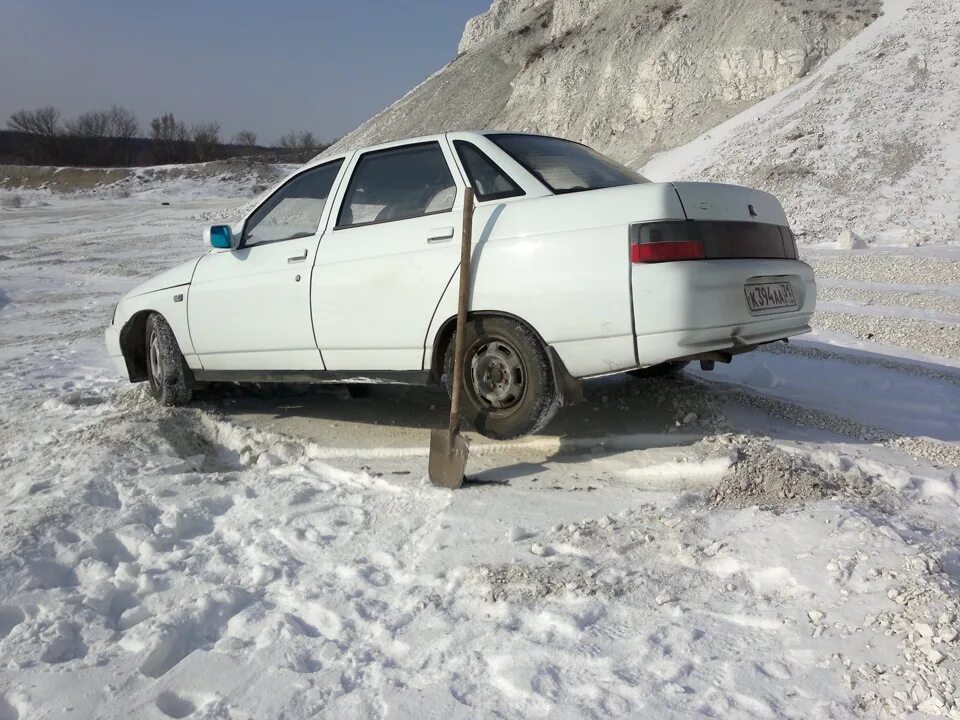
(711, 240)
(666, 242)
(792, 240)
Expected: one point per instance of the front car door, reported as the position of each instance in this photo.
(394, 248)
(249, 308)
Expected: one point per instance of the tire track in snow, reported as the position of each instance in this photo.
(934, 451)
(803, 348)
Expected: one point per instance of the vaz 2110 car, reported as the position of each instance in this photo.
(348, 272)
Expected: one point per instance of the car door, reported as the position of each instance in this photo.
(382, 269)
(249, 308)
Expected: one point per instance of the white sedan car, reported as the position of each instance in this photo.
(347, 272)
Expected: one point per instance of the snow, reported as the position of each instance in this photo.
(867, 143)
(912, 405)
(263, 555)
(777, 538)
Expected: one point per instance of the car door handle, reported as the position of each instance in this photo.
(298, 258)
(440, 234)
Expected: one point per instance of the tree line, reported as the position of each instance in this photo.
(114, 137)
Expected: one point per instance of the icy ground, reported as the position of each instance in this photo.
(778, 539)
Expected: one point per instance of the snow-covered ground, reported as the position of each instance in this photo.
(776, 539)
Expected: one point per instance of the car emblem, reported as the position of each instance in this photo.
(753, 213)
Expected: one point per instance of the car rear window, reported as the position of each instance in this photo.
(565, 166)
(489, 181)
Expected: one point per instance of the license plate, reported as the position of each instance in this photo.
(770, 297)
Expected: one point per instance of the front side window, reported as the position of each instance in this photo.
(488, 180)
(565, 166)
(398, 184)
(294, 210)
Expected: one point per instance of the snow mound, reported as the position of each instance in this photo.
(869, 142)
(627, 77)
(27, 185)
(763, 474)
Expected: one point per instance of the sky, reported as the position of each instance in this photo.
(270, 67)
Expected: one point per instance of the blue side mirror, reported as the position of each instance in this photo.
(219, 236)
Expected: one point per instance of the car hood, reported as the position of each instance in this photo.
(180, 275)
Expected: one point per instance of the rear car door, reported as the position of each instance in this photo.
(249, 308)
(394, 247)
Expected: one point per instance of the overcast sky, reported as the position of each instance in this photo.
(268, 66)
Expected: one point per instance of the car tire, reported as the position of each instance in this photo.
(671, 367)
(171, 381)
(509, 388)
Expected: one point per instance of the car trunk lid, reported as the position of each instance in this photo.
(722, 222)
(716, 201)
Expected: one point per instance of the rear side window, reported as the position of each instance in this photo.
(565, 166)
(488, 180)
(398, 184)
(294, 210)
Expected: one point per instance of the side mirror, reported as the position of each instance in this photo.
(219, 237)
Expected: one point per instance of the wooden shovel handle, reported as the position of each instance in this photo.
(459, 348)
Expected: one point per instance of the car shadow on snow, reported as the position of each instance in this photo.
(617, 414)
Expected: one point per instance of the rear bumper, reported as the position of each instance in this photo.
(690, 344)
(112, 337)
(686, 309)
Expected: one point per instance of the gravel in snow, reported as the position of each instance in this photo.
(926, 336)
(762, 474)
(882, 267)
(933, 301)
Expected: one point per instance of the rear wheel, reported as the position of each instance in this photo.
(171, 381)
(508, 384)
(672, 367)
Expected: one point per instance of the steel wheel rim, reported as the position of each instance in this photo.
(154, 353)
(498, 375)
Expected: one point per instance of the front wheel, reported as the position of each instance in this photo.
(508, 383)
(171, 381)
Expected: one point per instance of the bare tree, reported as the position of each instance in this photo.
(87, 143)
(300, 141)
(167, 128)
(307, 141)
(170, 137)
(124, 127)
(246, 138)
(206, 138)
(93, 124)
(43, 122)
(123, 123)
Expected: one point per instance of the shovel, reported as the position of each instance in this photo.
(448, 449)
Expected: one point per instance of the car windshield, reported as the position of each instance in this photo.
(565, 166)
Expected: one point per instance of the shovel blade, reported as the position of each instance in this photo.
(448, 458)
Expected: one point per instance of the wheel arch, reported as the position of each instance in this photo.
(133, 344)
(442, 338)
(570, 388)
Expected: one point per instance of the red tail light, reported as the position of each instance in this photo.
(670, 240)
(666, 251)
(666, 241)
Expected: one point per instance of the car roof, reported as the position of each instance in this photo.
(461, 134)
(324, 158)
